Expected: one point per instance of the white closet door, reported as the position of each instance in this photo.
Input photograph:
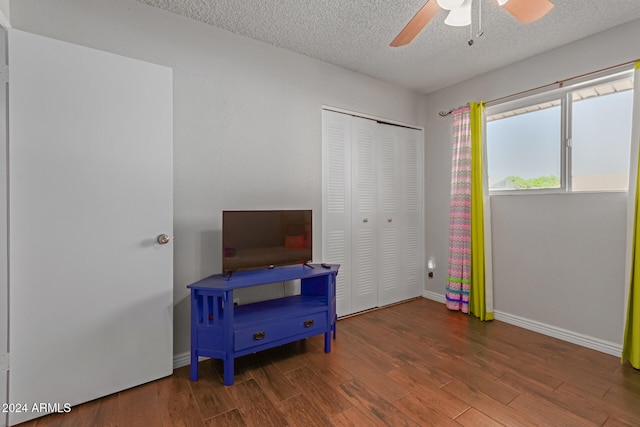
(364, 283)
(372, 210)
(390, 220)
(336, 208)
(400, 214)
(91, 186)
(411, 144)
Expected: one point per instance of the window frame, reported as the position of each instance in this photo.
(563, 93)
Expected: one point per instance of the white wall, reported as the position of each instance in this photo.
(558, 259)
(5, 18)
(247, 118)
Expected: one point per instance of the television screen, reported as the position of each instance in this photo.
(265, 239)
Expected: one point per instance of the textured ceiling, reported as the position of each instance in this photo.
(355, 34)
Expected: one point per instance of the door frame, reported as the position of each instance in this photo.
(4, 228)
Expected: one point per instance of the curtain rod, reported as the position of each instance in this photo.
(560, 84)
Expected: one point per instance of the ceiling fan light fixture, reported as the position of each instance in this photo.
(449, 4)
(461, 16)
(525, 11)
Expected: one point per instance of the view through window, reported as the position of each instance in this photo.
(576, 139)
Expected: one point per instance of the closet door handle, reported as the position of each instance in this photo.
(365, 220)
(389, 219)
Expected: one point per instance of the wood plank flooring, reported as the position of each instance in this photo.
(412, 364)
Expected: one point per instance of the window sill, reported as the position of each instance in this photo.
(545, 192)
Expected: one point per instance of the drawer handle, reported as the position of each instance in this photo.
(308, 323)
(259, 335)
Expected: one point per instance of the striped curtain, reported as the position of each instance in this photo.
(459, 271)
(469, 284)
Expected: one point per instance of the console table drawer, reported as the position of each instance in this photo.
(311, 324)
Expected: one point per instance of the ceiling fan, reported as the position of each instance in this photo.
(526, 11)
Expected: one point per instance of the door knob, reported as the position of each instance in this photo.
(365, 220)
(163, 239)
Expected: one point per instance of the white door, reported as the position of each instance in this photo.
(390, 222)
(411, 282)
(90, 188)
(401, 260)
(336, 203)
(364, 277)
(372, 210)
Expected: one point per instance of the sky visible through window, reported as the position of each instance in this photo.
(602, 134)
(525, 145)
(529, 145)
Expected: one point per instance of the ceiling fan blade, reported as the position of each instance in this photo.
(417, 23)
(527, 11)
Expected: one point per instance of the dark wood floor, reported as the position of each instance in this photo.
(413, 364)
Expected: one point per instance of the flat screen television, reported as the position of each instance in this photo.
(256, 239)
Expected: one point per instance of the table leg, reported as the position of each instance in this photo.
(327, 341)
(228, 369)
(335, 326)
(194, 366)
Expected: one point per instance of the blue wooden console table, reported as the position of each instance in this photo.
(222, 331)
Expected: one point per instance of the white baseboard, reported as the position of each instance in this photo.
(182, 359)
(603, 346)
(434, 296)
(561, 334)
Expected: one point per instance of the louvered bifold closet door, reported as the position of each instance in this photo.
(412, 267)
(401, 260)
(390, 220)
(336, 202)
(364, 218)
(372, 210)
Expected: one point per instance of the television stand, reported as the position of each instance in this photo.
(221, 331)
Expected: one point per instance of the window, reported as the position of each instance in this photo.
(572, 139)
